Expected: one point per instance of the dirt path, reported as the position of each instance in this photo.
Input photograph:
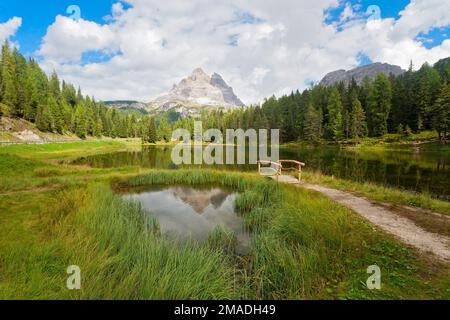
(33, 190)
(398, 225)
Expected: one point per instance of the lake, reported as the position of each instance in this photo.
(424, 169)
(185, 213)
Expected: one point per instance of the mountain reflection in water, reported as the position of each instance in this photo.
(187, 213)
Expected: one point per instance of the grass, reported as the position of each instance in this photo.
(56, 151)
(395, 139)
(304, 246)
(127, 253)
(20, 174)
(223, 240)
(390, 140)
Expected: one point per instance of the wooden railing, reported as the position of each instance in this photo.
(276, 168)
(298, 167)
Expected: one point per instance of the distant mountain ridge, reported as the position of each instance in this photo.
(125, 104)
(201, 91)
(359, 73)
(128, 106)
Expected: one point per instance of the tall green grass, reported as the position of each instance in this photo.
(238, 181)
(222, 240)
(303, 246)
(298, 238)
(127, 258)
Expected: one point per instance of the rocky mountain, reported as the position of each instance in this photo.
(227, 91)
(370, 70)
(196, 91)
(128, 106)
(125, 104)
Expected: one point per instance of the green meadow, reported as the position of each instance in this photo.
(303, 246)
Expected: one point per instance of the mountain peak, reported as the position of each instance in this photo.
(199, 75)
(198, 71)
(198, 90)
(228, 93)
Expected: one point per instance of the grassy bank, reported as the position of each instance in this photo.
(31, 168)
(303, 246)
(393, 140)
(390, 141)
(54, 151)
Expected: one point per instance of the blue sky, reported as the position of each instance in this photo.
(388, 8)
(259, 47)
(38, 15)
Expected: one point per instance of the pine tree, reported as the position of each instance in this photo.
(54, 87)
(8, 89)
(44, 118)
(69, 94)
(441, 113)
(149, 130)
(109, 127)
(99, 128)
(334, 126)
(152, 136)
(67, 115)
(133, 126)
(57, 115)
(164, 130)
(312, 124)
(80, 121)
(115, 126)
(79, 96)
(380, 101)
(23, 90)
(30, 109)
(358, 125)
(40, 80)
(429, 87)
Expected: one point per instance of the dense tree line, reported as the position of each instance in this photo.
(54, 106)
(412, 102)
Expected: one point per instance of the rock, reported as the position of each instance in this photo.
(370, 71)
(5, 124)
(27, 135)
(227, 91)
(125, 104)
(197, 90)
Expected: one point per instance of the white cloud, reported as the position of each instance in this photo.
(9, 28)
(279, 45)
(422, 16)
(67, 39)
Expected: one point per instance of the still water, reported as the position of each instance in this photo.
(424, 169)
(186, 213)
